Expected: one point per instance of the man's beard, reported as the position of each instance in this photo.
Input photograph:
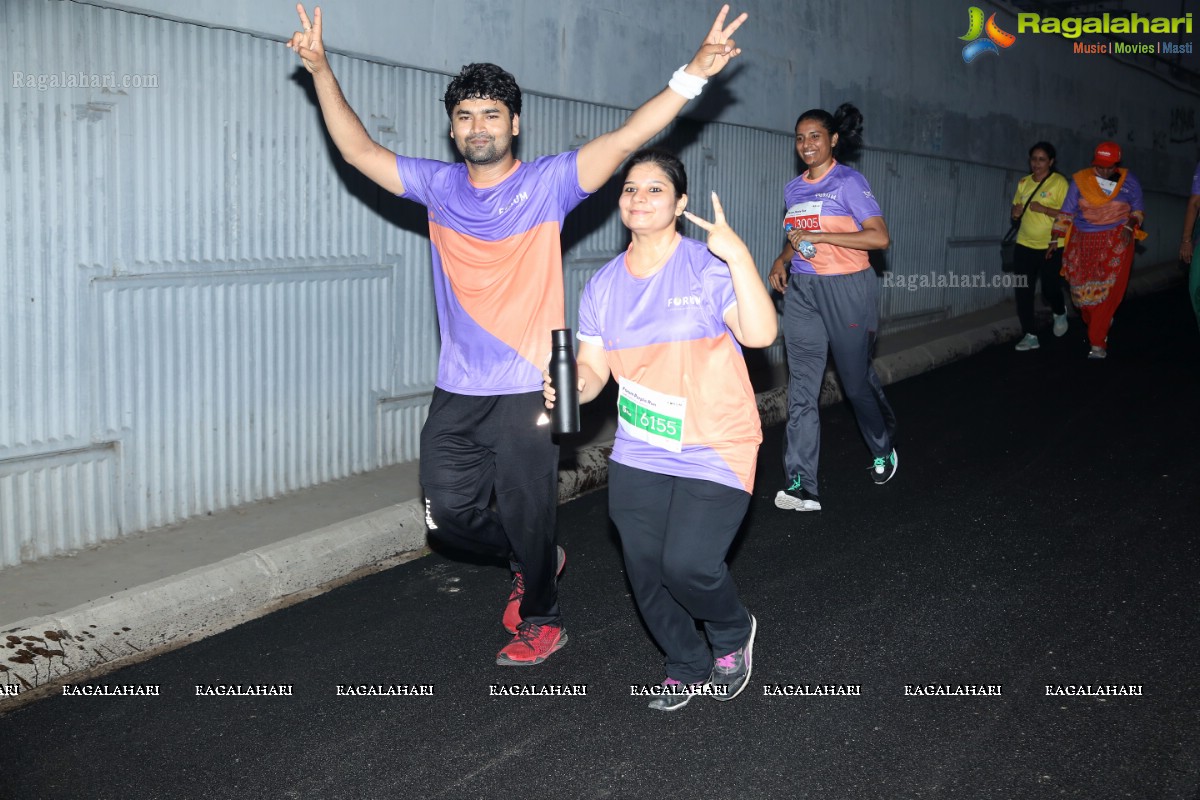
(482, 155)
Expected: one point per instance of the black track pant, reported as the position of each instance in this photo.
(472, 446)
(836, 314)
(1034, 265)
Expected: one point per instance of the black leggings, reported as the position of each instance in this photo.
(675, 533)
(1033, 264)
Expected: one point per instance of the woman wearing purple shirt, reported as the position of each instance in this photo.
(831, 301)
(667, 319)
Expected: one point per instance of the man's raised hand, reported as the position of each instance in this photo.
(718, 48)
(307, 43)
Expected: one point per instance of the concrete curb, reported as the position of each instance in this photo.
(105, 634)
(129, 626)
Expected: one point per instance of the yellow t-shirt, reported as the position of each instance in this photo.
(1035, 227)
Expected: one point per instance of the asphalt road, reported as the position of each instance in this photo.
(1041, 532)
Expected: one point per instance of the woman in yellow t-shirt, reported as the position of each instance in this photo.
(1033, 258)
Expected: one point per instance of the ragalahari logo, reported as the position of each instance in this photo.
(996, 40)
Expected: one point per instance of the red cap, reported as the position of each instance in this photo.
(1107, 154)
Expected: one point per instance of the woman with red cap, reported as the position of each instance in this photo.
(1101, 218)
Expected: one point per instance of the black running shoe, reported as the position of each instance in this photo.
(674, 695)
(797, 498)
(733, 671)
(884, 467)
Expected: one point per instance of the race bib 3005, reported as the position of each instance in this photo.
(805, 216)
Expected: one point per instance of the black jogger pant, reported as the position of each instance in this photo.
(474, 445)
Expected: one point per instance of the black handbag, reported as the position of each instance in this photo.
(1008, 245)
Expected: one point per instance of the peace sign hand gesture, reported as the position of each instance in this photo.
(718, 48)
(752, 319)
(722, 241)
(307, 43)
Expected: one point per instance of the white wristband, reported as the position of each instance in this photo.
(686, 84)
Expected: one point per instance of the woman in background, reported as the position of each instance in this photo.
(831, 301)
(1101, 219)
(1039, 196)
(1189, 253)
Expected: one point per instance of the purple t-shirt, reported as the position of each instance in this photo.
(497, 267)
(1196, 180)
(685, 407)
(1131, 193)
(838, 202)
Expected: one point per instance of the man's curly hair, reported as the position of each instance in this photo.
(484, 81)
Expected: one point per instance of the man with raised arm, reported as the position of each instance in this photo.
(494, 228)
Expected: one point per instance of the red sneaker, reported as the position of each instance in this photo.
(532, 644)
(512, 611)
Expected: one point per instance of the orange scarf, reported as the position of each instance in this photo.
(1095, 206)
(1089, 187)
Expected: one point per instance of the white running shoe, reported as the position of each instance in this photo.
(1060, 324)
(797, 500)
(1028, 342)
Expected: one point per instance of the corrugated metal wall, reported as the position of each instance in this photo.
(201, 306)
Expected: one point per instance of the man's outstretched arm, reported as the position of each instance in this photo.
(599, 158)
(349, 136)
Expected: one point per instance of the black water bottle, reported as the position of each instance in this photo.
(564, 377)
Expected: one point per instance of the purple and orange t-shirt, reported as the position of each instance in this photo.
(497, 267)
(838, 202)
(685, 405)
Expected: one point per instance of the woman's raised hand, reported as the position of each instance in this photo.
(722, 241)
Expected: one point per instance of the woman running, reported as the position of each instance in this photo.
(831, 301)
(666, 318)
